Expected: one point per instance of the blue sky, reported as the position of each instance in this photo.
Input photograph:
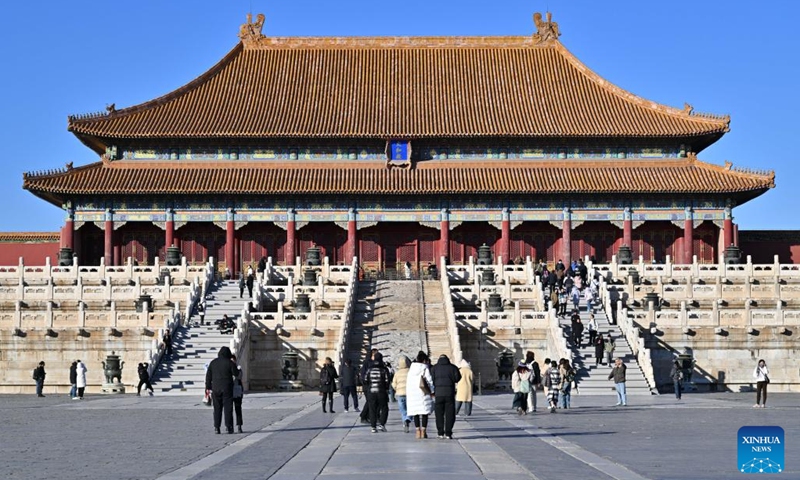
(725, 57)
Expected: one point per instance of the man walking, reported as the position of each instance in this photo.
(347, 377)
(38, 375)
(609, 347)
(445, 377)
(219, 382)
(144, 379)
(618, 375)
(378, 393)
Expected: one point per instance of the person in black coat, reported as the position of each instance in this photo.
(219, 383)
(73, 380)
(167, 339)
(348, 375)
(38, 375)
(327, 383)
(364, 417)
(238, 395)
(144, 379)
(445, 377)
(376, 386)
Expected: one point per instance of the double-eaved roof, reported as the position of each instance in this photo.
(397, 88)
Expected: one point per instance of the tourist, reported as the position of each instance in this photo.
(201, 309)
(577, 329)
(80, 378)
(73, 381)
(761, 374)
(676, 374)
(464, 388)
(399, 386)
(419, 393)
(552, 381)
(167, 339)
(327, 383)
(38, 375)
(521, 386)
(567, 377)
(363, 377)
(592, 326)
(536, 379)
(249, 281)
(407, 271)
(610, 346)
(378, 394)
(241, 284)
(562, 302)
(618, 375)
(144, 379)
(238, 394)
(219, 384)
(599, 348)
(576, 297)
(445, 377)
(348, 376)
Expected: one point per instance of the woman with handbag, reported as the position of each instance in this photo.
(761, 374)
(521, 385)
(419, 394)
(238, 395)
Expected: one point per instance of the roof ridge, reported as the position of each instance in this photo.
(741, 171)
(425, 42)
(687, 111)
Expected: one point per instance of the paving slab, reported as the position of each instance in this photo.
(288, 437)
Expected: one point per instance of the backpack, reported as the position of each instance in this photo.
(569, 376)
(524, 386)
(35, 374)
(324, 377)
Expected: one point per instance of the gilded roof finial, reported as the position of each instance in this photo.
(250, 32)
(687, 108)
(545, 31)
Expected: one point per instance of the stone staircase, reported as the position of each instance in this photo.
(196, 345)
(388, 316)
(360, 340)
(593, 380)
(435, 320)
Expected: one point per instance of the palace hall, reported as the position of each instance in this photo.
(398, 150)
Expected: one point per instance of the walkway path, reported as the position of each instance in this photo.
(288, 437)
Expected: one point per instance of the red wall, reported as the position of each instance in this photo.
(763, 245)
(33, 253)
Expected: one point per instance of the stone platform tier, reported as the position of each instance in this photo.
(195, 345)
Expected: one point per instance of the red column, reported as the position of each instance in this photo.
(230, 239)
(108, 251)
(627, 228)
(117, 251)
(67, 231)
(169, 230)
(352, 237)
(736, 234)
(727, 229)
(505, 237)
(290, 231)
(688, 234)
(444, 238)
(566, 238)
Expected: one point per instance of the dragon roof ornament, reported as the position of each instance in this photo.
(546, 31)
(250, 32)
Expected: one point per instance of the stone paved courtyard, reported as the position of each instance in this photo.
(288, 437)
